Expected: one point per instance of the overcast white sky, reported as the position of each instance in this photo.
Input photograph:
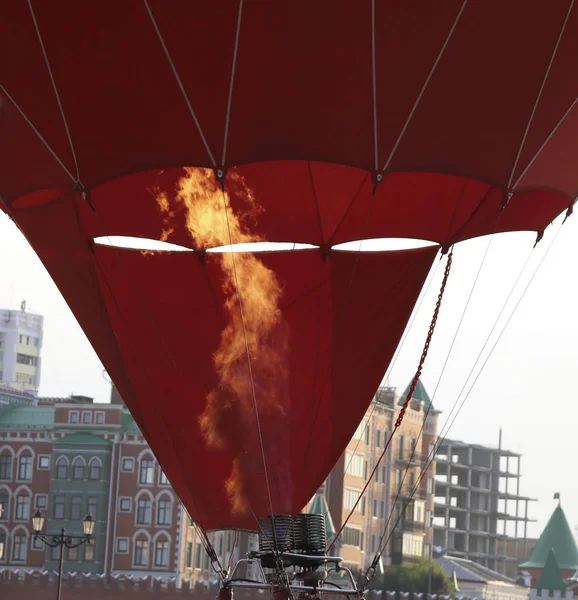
(527, 388)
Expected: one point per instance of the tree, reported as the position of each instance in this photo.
(414, 578)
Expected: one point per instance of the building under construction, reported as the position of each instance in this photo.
(479, 513)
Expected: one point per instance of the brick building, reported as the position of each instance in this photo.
(70, 456)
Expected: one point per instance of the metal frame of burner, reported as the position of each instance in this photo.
(314, 561)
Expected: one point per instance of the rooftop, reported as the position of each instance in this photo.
(557, 537)
(420, 393)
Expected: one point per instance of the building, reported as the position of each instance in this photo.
(479, 512)
(551, 582)
(475, 581)
(20, 345)
(403, 480)
(68, 457)
(556, 539)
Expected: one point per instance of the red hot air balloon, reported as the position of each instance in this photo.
(206, 124)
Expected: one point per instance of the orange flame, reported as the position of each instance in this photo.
(254, 326)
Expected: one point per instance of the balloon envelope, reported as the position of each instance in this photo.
(331, 122)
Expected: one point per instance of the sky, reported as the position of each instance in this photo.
(526, 388)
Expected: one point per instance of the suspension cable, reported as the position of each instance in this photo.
(409, 395)
(433, 452)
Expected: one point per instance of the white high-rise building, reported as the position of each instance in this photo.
(20, 345)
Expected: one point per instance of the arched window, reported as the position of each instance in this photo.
(6, 458)
(25, 464)
(78, 468)
(146, 472)
(22, 503)
(61, 468)
(3, 543)
(5, 503)
(162, 552)
(164, 509)
(19, 544)
(94, 469)
(141, 553)
(144, 509)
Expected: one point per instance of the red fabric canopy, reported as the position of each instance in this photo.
(347, 120)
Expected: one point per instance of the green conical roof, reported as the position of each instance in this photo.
(551, 578)
(420, 394)
(558, 537)
(319, 507)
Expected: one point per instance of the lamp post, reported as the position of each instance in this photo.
(62, 540)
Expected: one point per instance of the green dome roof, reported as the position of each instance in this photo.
(551, 578)
(420, 394)
(558, 537)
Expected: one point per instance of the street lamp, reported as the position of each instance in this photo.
(63, 540)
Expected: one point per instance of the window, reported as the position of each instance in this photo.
(400, 448)
(73, 417)
(73, 554)
(378, 440)
(2, 545)
(41, 501)
(78, 468)
(26, 359)
(4, 506)
(44, 461)
(19, 548)
(146, 474)
(59, 507)
(141, 553)
(350, 497)
(76, 508)
(374, 509)
(5, 467)
(373, 543)
(99, 418)
(128, 464)
(144, 511)
(411, 482)
(122, 545)
(163, 480)
(382, 509)
(162, 554)
(89, 551)
(56, 552)
(383, 475)
(22, 508)
(419, 511)
(61, 468)
(125, 505)
(189, 555)
(198, 554)
(25, 468)
(164, 509)
(356, 464)
(412, 544)
(37, 543)
(93, 506)
(399, 478)
(351, 537)
(87, 418)
(94, 468)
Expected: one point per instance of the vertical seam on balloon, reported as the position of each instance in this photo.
(348, 208)
(315, 199)
(179, 82)
(55, 88)
(257, 419)
(38, 134)
(231, 82)
(539, 96)
(374, 78)
(424, 87)
(544, 144)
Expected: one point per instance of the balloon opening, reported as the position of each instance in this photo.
(383, 245)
